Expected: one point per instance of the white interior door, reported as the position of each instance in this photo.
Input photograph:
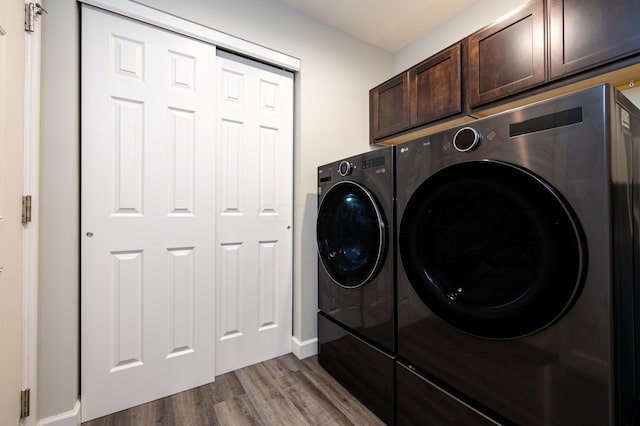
(147, 268)
(255, 193)
(11, 173)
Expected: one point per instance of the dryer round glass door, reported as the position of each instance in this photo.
(350, 234)
(492, 249)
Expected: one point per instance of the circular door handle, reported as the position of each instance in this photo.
(89, 234)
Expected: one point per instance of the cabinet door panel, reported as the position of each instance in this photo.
(507, 57)
(389, 105)
(435, 87)
(585, 33)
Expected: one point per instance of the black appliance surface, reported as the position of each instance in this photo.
(421, 402)
(355, 237)
(365, 371)
(515, 271)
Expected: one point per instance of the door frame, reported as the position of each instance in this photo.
(30, 236)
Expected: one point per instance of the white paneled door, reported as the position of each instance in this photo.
(254, 212)
(148, 219)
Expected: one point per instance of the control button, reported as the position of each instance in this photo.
(345, 168)
(466, 139)
(374, 162)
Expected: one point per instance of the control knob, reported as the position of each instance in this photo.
(466, 139)
(345, 168)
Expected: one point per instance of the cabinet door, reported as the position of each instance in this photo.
(389, 105)
(507, 57)
(585, 33)
(434, 87)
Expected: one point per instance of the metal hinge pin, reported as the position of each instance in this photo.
(25, 403)
(26, 208)
(31, 13)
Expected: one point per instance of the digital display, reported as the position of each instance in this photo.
(545, 122)
(374, 162)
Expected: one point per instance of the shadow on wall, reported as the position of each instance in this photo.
(309, 267)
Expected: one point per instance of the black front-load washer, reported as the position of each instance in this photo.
(516, 264)
(355, 234)
(356, 277)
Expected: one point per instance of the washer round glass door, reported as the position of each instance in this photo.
(350, 234)
(492, 249)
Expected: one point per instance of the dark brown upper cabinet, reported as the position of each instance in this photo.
(587, 33)
(389, 107)
(543, 41)
(425, 93)
(435, 87)
(508, 56)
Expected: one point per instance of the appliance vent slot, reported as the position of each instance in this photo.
(325, 179)
(546, 122)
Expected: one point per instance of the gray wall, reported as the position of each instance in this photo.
(59, 216)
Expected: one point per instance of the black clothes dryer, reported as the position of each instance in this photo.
(515, 279)
(356, 277)
(355, 230)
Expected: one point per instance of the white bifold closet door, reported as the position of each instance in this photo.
(186, 211)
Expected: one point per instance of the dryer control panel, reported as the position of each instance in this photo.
(373, 162)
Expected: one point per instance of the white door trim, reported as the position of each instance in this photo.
(30, 234)
(164, 20)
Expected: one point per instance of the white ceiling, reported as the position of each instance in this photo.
(389, 24)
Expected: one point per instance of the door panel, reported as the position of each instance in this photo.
(507, 57)
(148, 251)
(255, 184)
(435, 86)
(492, 249)
(12, 40)
(351, 234)
(571, 49)
(389, 107)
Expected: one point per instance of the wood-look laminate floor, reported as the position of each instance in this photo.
(281, 391)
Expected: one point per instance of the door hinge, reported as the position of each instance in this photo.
(25, 403)
(26, 208)
(31, 13)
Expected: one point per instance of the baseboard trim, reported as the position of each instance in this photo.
(306, 348)
(70, 418)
